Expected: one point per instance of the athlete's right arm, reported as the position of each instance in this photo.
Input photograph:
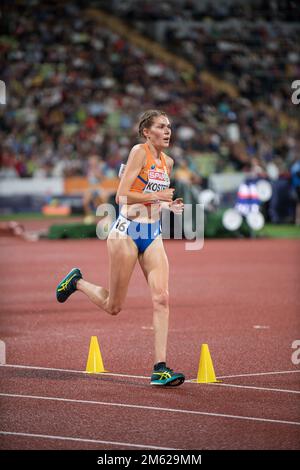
(135, 163)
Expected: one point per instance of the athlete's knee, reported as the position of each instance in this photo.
(160, 298)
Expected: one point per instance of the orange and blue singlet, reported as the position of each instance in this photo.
(152, 178)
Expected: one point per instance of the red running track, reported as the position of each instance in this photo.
(240, 297)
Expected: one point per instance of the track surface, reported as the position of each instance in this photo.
(240, 297)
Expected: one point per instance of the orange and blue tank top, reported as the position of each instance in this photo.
(152, 177)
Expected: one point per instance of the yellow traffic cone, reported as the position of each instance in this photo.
(94, 363)
(206, 373)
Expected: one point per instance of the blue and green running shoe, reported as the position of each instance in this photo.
(167, 377)
(68, 285)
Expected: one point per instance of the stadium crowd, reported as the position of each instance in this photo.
(76, 89)
(253, 45)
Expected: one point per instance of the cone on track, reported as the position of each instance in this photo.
(206, 373)
(94, 363)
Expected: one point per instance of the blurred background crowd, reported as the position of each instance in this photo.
(76, 87)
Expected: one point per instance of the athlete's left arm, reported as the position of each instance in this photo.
(177, 205)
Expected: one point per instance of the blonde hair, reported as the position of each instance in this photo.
(147, 119)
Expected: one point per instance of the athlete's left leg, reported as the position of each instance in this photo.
(154, 263)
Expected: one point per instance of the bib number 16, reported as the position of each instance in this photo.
(122, 225)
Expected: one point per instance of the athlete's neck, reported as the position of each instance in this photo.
(156, 151)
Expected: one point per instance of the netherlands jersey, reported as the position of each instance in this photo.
(152, 177)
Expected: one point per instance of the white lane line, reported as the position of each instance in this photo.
(75, 371)
(254, 388)
(141, 376)
(152, 408)
(260, 373)
(77, 439)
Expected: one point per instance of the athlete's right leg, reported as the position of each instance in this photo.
(123, 255)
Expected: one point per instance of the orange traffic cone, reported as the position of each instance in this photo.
(94, 363)
(206, 373)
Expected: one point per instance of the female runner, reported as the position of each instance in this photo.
(136, 235)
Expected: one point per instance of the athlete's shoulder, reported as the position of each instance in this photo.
(137, 154)
(138, 148)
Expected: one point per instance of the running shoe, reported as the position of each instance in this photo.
(68, 285)
(167, 377)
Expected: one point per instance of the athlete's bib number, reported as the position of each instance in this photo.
(122, 225)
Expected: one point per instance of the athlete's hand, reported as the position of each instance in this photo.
(165, 195)
(177, 206)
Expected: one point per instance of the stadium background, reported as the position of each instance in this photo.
(77, 76)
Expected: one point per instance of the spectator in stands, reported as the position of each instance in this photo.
(282, 204)
(184, 174)
(295, 174)
(95, 194)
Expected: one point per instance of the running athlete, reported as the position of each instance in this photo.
(136, 235)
